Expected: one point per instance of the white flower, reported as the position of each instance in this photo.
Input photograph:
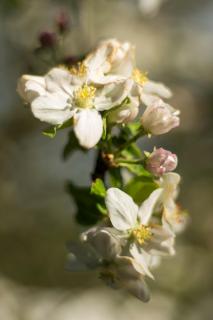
(160, 118)
(100, 249)
(61, 95)
(134, 223)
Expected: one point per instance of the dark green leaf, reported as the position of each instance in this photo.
(115, 177)
(90, 208)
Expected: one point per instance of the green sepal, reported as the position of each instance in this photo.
(52, 130)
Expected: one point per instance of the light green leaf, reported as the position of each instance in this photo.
(98, 188)
(137, 169)
(139, 188)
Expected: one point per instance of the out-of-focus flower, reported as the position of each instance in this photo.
(100, 249)
(47, 39)
(150, 7)
(169, 182)
(134, 223)
(61, 95)
(160, 118)
(123, 274)
(161, 161)
(172, 214)
(176, 219)
(63, 22)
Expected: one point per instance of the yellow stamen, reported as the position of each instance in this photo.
(141, 234)
(79, 70)
(139, 76)
(84, 96)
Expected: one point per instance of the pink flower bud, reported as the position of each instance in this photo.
(161, 161)
(160, 118)
(47, 39)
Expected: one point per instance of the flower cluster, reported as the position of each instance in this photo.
(138, 220)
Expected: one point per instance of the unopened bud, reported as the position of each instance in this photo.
(63, 22)
(161, 161)
(160, 118)
(47, 39)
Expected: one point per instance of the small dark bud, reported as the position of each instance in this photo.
(47, 39)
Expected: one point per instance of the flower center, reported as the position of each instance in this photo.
(79, 70)
(139, 76)
(84, 96)
(141, 234)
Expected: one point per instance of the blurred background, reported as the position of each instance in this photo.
(174, 44)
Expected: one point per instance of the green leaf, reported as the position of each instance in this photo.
(90, 208)
(139, 188)
(115, 177)
(137, 169)
(52, 130)
(132, 128)
(133, 151)
(98, 188)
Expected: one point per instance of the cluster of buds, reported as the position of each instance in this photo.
(101, 92)
(49, 39)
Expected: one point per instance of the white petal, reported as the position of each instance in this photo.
(112, 95)
(147, 207)
(88, 127)
(59, 79)
(156, 88)
(122, 209)
(141, 259)
(52, 108)
(30, 87)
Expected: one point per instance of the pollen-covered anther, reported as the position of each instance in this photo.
(141, 234)
(139, 77)
(79, 70)
(84, 96)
